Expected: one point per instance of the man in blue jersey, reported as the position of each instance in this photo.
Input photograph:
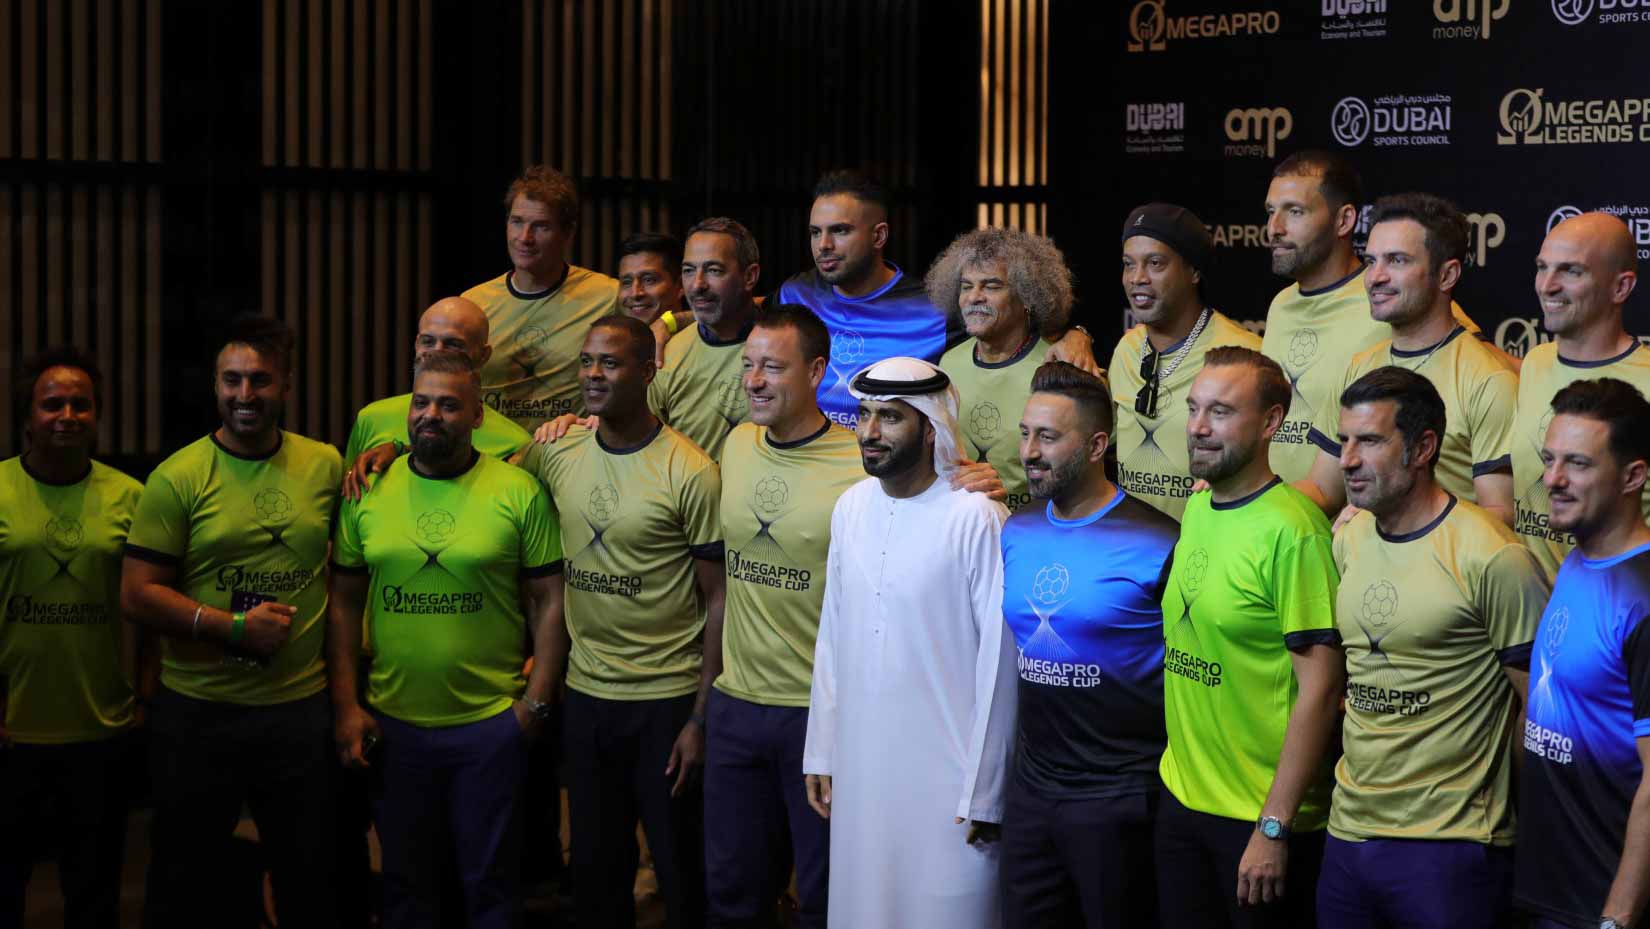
(1083, 575)
(872, 309)
(1584, 820)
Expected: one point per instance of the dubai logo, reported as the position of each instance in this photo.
(65, 532)
(1147, 24)
(1572, 12)
(436, 526)
(1349, 121)
(604, 502)
(771, 494)
(1561, 214)
(985, 419)
(1257, 130)
(272, 505)
(1487, 230)
(1459, 16)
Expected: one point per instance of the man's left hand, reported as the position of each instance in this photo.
(1075, 348)
(1261, 872)
(978, 477)
(981, 834)
(686, 756)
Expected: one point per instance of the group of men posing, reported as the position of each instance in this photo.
(785, 648)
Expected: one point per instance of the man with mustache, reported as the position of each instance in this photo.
(643, 616)
(540, 308)
(1437, 607)
(1252, 669)
(226, 561)
(1584, 273)
(872, 308)
(911, 713)
(1166, 252)
(1083, 579)
(68, 664)
(1417, 248)
(1584, 804)
(456, 551)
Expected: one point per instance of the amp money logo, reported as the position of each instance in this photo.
(1467, 19)
(1254, 132)
(1485, 231)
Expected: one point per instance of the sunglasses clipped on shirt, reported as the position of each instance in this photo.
(1145, 402)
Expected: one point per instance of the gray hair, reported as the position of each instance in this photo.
(1036, 270)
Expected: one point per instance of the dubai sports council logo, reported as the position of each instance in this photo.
(1349, 121)
(1561, 214)
(1572, 12)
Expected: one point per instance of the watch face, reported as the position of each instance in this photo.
(1271, 828)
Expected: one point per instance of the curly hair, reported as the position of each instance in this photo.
(1036, 268)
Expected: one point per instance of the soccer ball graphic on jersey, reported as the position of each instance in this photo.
(847, 346)
(1303, 348)
(604, 502)
(65, 532)
(1051, 583)
(771, 494)
(1197, 567)
(985, 419)
(436, 526)
(1380, 603)
(272, 505)
(1553, 629)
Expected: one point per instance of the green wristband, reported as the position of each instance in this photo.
(237, 628)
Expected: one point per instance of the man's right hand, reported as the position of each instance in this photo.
(267, 627)
(375, 460)
(350, 726)
(819, 793)
(551, 430)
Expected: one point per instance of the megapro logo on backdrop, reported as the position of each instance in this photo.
(1353, 19)
(1151, 27)
(1608, 12)
(1254, 132)
(1530, 117)
(1154, 128)
(1466, 19)
(1393, 120)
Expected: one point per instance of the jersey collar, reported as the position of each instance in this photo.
(1245, 501)
(1329, 288)
(1019, 356)
(510, 284)
(709, 338)
(280, 440)
(1090, 519)
(1418, 352)
(475, 458)
(42, 479)
(1569, 363)
(1418, 533)
(634, 448)
(868, 297)
(795, 443)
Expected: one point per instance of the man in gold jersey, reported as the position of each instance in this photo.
(782, 473)
(1165, 252)
(541, 308)
(1437, 609)
(650, 285)
(1418, 246)
(1586, 270)
(1011, 287)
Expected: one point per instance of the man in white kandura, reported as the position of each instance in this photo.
(911, 720)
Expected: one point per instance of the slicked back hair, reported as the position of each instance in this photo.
(744, 243)
(1338, 180)
(1617, 404)
(1272, 383)
(811, 334)
(269, 337)
(448, 362)
(1087, 391)
(549, 187)
(665, 246)
(1447, 229)
(858, 185)
(1418, 408)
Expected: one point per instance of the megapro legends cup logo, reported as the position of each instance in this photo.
(1154, 128)
(1466, 19)
(1610, 12)
(1528, 117)
(1151, 28)
(1484, 232)
(1353, 19)
(1256, 131)
(1238, 235)
(1392, 120)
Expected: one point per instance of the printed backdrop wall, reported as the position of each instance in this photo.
(1520, 111)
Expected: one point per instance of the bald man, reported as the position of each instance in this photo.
(1584, 273)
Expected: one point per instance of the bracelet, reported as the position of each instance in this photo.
(195, 627)
(669, 319)
(237, 628)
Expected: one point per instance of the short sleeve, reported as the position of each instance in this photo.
(1491, 418)
(701, 503)
(658, 395)
(1636, 652)
(1326, 419)
(1511, 596)
(160, 526)
(357, 438)
(1304, 581)
(347, 554)
(540, 551)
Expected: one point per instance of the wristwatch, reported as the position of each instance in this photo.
(1272, 828)
(1608, 923)
(539, 711)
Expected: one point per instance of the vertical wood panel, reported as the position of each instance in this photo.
(131, 382)
(105, 300)
(359, 309)
(314, 54)
(338, 79)
(153, 50)
(360, 77)
(104, 88)
(80, 266)
(54, 61)
(404, 83)
(293, 47)
(7, 314)
(269, 97)
(28, 79)
(8, 10)
(54, 249)
(152, 314)
(80, 95)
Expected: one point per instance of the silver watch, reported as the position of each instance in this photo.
(1608, 923)
(539, 711)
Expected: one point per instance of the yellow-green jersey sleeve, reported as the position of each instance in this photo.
(700, 391)
(61, 655)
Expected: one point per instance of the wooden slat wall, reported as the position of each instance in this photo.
(1013, 162)
(80, 260)
(595, 104)
(346, 224)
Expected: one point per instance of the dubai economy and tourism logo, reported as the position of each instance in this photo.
(1393, 120)
(1151, 27)
(1154, 128)
(1353, 19)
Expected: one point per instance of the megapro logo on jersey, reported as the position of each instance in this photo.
(768, 502)
(1610, 12)
(1375, 618)
(1151, 28)
(1484, 232)
(398, 599)
(240, 577)
(1466, 19)
(1178, 660)
(1046, 658)
(1528, 117)
(1154, 128)
(1392, 120)
(527, 408)
(1353, 19)
(1254, 132)
(1637, 219)
(24, 608)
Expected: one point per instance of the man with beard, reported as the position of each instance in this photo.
(68, 664)
(1584, 273)
(1082, 591)
(1584, 804)
(872, 309)
(1437, 607)
(1010, 287)
(227, 561)
(650, 284)
(643, 613)
(456, 551)
(698, 391)
(540, 309)
(911, 716)
(1252, 669)
(1166, 250)
(782, 473)
(1417, 247)
(1317, 324)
